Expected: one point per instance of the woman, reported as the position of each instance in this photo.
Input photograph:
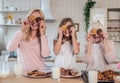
(31, 42)
(66, 46)
(99, 51)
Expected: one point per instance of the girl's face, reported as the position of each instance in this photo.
(36, 22)
(67, 31)
(97, 38)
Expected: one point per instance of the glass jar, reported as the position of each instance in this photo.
(55, 73)
(4, 65)
(4, 69)
(18, 69)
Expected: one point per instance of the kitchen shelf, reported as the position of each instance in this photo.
(117, 40)
(24, 11)
(113, 19)
(113, 9)
(11, 25)
(17, 17)
(113, 30)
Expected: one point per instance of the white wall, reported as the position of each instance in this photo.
(61, 9)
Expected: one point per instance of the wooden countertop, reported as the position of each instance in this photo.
(39, 80)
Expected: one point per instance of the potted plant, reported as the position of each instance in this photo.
(89, 4)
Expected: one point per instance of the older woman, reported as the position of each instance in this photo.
(99, 51)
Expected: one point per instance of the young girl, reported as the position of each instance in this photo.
(99, 51)
(66, 46)
(31, 42)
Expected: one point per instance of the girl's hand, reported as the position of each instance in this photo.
(105, 35)
(60, 31)
(89, 37)
(73, 31)
(25, 25)
(42, 27)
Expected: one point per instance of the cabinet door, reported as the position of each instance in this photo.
(81, 66)
(99, 14)
(1, 19)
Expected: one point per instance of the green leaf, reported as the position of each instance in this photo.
(89, 4)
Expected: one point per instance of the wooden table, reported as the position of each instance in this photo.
(39, 80)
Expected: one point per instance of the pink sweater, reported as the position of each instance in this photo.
(29, 52)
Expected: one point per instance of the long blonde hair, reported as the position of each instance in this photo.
(27, 33)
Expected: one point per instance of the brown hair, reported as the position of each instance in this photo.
(63, 22)
(27, 33)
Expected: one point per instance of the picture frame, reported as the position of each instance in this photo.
(77, 26)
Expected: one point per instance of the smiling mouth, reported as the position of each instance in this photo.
(96, 37)
(34, 24)
(99, 36)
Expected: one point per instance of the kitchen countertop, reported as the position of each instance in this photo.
(12, 79)
(52, 60)
(46, 60)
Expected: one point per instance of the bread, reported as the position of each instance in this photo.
(31, 18)
(94, 31)
(106, 75)
(36, 73)
(64, 27)
(68, 72)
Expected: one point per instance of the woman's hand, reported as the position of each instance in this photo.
(42, 27)
(25, 25)
(73, 31)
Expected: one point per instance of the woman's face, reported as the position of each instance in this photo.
(67, 32)
(36, 22)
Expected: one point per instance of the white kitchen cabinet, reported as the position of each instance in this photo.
(113, 25)
(49, 65)
(81, 66)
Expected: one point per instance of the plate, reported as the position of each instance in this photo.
(47, 75)
(70, 76)
(109, 80)
(105, 81)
